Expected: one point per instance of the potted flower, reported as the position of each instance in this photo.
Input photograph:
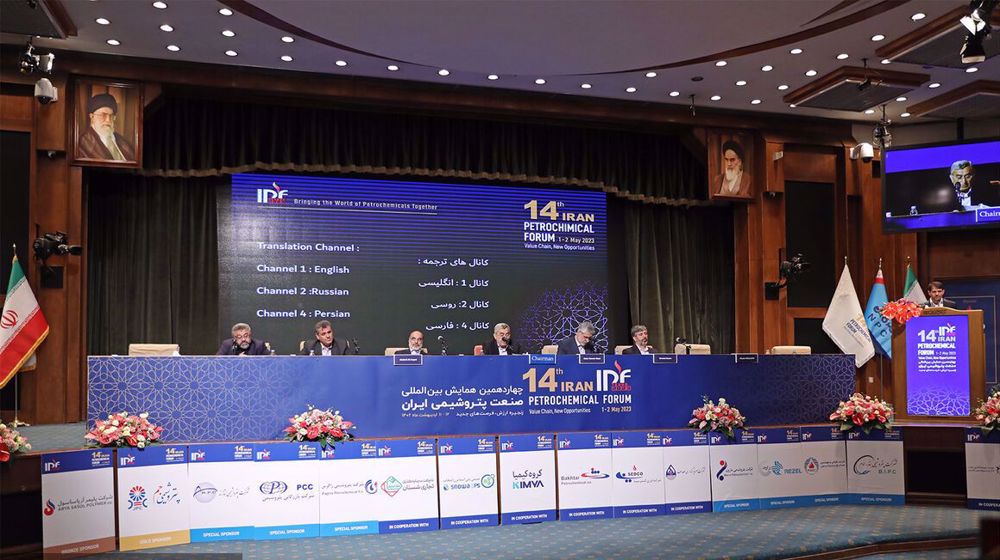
(862, 411)
(722, 418)
(988, 411)
(325, 426)
(124, 430)
(11, 443)
(900, 311)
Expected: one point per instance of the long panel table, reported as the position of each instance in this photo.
(208, 398)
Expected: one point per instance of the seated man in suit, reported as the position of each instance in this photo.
(325, 343)
(242, 343)
(501, 343)
(416, 344)
(935, 296)
(640, 341)
(579, 342)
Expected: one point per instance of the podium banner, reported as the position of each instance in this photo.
(407, 494)
(875, 468)
(686, 473)
(982, 469)
(468, 470)
(527, 478)
(585, 470)
(782, 469)
(937, 366)
(348, 489)
(153, 508)
(78, 502)
(637, 460)
(286, 484)
(825, 464)
(222, 480)
(734, 480)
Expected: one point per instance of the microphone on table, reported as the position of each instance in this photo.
(236, 348)
(684, 341)
(444, 346)
(357, 349)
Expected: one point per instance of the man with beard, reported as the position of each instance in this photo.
(99, 140)
(732, 181)
(242, 343)
(501, 343)
(640, 339)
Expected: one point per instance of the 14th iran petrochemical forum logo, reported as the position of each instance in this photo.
(272, 196)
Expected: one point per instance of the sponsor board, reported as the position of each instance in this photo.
(286, 490)
(781, 467)
(825, 463)
(982, 469)
(686, 473)
(153, 497)
(734, 472)
(527, 478)
(875, 474)
(468, 487)
(349, 489)
(585, 476)
(406, 476)
(638, 473)
(222, 480)
(78, 502)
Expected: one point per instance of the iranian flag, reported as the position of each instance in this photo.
(22, 325)
(911, 288)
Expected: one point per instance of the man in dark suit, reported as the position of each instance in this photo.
(580, 341)
(100, 140)
(935, 296)
(416, 344)
(326, 344)
(640, 341)
(501, 343)
(963, 195)
(242, 343)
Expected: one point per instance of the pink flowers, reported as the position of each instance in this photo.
(11, 442)
(988, 412)
(124, 430)
(722, 417)
(901, 310)
(325, 426)
(862, 411)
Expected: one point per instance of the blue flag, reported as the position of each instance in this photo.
(880, 327)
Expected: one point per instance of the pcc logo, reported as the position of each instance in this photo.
(273, 487)
(272, 196)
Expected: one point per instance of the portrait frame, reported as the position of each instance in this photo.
(741, 188)
(87, 146)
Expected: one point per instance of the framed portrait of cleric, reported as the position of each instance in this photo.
(730, 165)
(107, 123)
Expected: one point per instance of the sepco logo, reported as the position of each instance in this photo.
(273, 487)
(614, 379)
(629, 476)
(272, 196)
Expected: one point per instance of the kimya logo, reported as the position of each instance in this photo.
(51, 466)
(594, 473)
(49, 508)
(272, 196)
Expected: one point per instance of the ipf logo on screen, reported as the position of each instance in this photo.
(272, 196)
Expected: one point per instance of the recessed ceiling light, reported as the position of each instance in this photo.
(540, 81)
(766, 68)
(878, 37)
(103, 21)
(810, 73)
(286, 58)
(650, 74)
(716, 97)
(904, 115)
(166, 27)
(971, 69)
(585, 86)
(492, 77)
(870, 112)
(231, 53)
(114, 42)
(674, 93)
(173, 48)
(755, 102)
(900, 99)
(225, 11)
(741, 82)
(791, 105)
(287, 39)
(842, 56)
(934, 85)
(228, 33)
(160, 5)
(343, 63)
(630, 89)
(782, 87)
(392, 68)
(443, 72)
(796, 51)
(918, 16)
(886, 61)
(721, 63)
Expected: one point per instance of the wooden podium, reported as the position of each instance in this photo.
(905, 388)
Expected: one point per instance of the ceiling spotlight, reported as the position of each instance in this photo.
(114, 42)
(585, 86)
(870, 111)
(540, 81)
(755, 102)
(741, 82)
(791, 105)
(811, 73)
(650, 74)
(392, 68)
(716, 97)
(228, 33)
(900, 99)
(674, 93)
(225, 11)
(630, 89)
(842, 56)
(971, 69)
(441, 72)
(904, 115)
(934, 85)
(881, 136)
(287, 39)
(492, 77)
(795, 51)
(782, 87)
(721, 63)
(878, 37)
(886, 61)
(173, 48)
(166, 27)
(766, 68)
(231, 53)
(103, 21)
(160, 5)
(343, 63)
(286, 58)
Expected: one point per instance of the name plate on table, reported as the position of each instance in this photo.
(592, 359)
(665, 359)
(408, 360)
(541, 359)
(745, 358)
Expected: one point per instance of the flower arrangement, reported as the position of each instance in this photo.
(901, 310)
(325, 426)
(862, 411)
(722, 417)
(11, 442)
(988, 411)
(124, 430)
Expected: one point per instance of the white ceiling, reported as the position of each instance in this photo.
(564, 42)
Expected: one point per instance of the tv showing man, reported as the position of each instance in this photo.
(640, 341)
(325, 343)
(501, 344)
(242, 343)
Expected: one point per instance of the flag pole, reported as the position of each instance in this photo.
(16, 423)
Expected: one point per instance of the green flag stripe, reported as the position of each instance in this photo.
(16, 276)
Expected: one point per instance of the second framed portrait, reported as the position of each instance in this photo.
(107, 123)
(730, 165)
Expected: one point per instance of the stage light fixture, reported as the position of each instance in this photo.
(881, 136)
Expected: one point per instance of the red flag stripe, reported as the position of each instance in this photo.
(22, 346)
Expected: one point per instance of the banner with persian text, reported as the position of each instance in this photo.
(585, 471)
(78, 502)
(153, 503)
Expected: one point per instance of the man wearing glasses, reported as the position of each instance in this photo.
(242, 343)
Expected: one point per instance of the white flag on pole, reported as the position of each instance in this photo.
(845, 322)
